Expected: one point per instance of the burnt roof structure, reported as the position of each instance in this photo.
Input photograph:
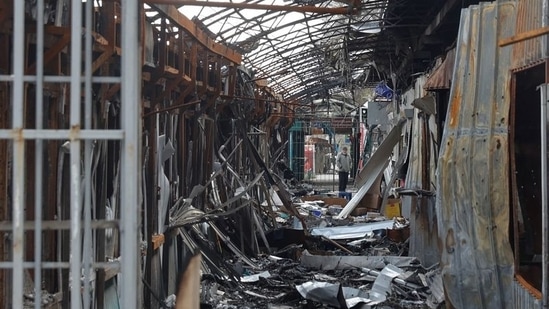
(311, 49)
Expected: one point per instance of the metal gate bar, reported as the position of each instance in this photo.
(80, 223)
(18, 215)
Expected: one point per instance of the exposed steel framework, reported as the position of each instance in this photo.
(309, 55)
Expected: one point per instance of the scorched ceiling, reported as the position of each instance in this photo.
(309, 50)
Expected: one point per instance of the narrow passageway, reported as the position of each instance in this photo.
(191, 154)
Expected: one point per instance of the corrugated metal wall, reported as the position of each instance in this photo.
(526, 53)
(473, 186)
(423, 230)
(522, 298)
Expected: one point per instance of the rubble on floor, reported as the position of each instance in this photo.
(287, 283)
(357, 262)
(275, 243)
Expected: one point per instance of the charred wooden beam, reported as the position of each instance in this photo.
(111, 92)
(151, 204)
(6, 9)
(200, 36)
(275, 184)
(100, 213)
(188, 295)
(523, 36)
(99, 61)
(171, 86)
(53, 51)
(52, 149)
(108, 22)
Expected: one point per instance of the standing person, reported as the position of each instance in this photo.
(343, 163)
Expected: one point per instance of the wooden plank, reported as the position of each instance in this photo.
(193, 61)
(111, 92)
(182, 95)
(162, 45)
(202, 87)
(29, 103)
(6, 9)
(51, 53)
(188, 295)
(181, 52)
(108, 26)
(5, 62)
(171, 70)
(102, 196)
(171, 85)
(531, 34)
(158, 240)
(535, 292)
(50, 206)
(97, 63)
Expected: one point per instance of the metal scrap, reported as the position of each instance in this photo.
(335, 295)
(322, 262)
(351, 231)
(375, 166)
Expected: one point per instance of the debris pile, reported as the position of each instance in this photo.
(287, 283)
(357, 262)
(268, 241)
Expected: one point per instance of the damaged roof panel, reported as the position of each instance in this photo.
(529, 17)
(441, 77)
(333, 37)
(476, 260)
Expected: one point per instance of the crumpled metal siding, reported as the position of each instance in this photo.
(423, 243)
(421, 210)
(418, 132)
(473, 178)
(529, 17)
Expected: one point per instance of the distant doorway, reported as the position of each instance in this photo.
(525, 171)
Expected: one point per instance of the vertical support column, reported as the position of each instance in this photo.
(75, 113)
(544, 196)
(38, 156)
(18, 206)
(130, 158)
(87, 246)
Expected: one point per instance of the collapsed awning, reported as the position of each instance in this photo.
(441, 78)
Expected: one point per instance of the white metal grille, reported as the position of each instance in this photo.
(81, 137)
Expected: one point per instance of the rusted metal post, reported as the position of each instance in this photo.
(18, 162)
